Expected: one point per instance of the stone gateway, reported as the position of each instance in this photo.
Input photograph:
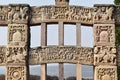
(18, 55)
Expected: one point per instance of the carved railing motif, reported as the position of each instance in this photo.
(56, 54)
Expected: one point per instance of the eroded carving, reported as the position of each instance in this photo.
(104, 34)
(2, 55)
(104, 55)
(103, 14)
(64, 13)
(17, 34)
(16, 73)
(3, 14)
(16, 54)
(56, 54)
(18, 13)
(106, 73)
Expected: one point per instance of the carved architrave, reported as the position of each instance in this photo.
(105, 55)
(104, 34)
(17, 34)
(18, 13)
(2, 55)
(62, 13)
(106, 73)
(3, 15)
(16, 73)
(56, 54)
(104, 14)
(16, 55)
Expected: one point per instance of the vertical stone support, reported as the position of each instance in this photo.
(61, 43)
(18, 42)
(105, 52)
(43, 43)
(78, 43)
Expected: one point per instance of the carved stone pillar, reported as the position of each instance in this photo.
(18, 42)
(104, 41)
(43, 43)
(61, 43)
(78, 43)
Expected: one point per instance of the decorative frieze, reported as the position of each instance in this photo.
(105, 55)
(17, 34)
(18, 13)
(56, 54)
(106, 73)
(104, 34)
(64, 13)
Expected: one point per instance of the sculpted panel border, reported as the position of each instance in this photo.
(56, 54)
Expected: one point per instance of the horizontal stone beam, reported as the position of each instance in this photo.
(70, 14)
(57, 54)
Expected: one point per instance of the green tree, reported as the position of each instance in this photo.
(117, 2)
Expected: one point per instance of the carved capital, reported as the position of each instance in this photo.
(104, 34)
(105, 55)
(18, 13)
(103, 14)
(106, 73)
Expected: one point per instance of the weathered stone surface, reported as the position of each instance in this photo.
(17, 35)
(106, 73)
(16, 73)
(2, 55)
(104, 34)
(18, 13)
(105, 55)
(104, 14)
(56, 54)
(62, 13)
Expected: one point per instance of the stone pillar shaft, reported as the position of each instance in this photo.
(18, 42)
(78, 43)
(61, 43)
(43, 43)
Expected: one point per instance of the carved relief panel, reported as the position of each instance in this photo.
(16, 73)
(3, 14)
(18, 13)
(17, 34)
(106, 73)
(105, 55)
(104, 34)
(64, 13)
(54, 54)
(103, 14)
(2, 55)
(16, 55)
